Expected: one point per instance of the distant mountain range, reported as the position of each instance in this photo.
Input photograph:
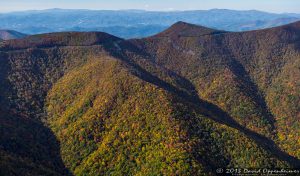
(187, 101)
(138, 23)
(10, 34)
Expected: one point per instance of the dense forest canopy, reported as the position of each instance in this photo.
(186, 101)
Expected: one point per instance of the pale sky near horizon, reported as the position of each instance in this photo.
(277, 6)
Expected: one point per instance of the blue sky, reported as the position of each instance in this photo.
(278, 6)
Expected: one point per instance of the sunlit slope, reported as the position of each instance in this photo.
(184, 102)
(250, 75)
(112, 122)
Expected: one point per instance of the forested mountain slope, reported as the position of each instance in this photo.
(184, 102)
(251, 75)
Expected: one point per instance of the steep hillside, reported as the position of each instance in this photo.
(110, 127)
(26, 77)
(183, 102)
(9, 34)
(240, 73)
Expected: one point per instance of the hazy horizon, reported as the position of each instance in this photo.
(29, 10)
(271, 6)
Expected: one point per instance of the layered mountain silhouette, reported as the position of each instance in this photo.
(186, 101)
(10, 34)
(138, 23)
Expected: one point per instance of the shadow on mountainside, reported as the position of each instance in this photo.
(217, 114)
(210, 110)
(252, 90)
(29, 146)
(222, 117)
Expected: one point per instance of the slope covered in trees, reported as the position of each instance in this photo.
(251, 75)
(183, 102)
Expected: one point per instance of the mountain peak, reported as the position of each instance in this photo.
(182, 23)
(183, 29)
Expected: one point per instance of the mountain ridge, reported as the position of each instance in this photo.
(10, 34)
(62, 39)
(162, 105)
(226, 48)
